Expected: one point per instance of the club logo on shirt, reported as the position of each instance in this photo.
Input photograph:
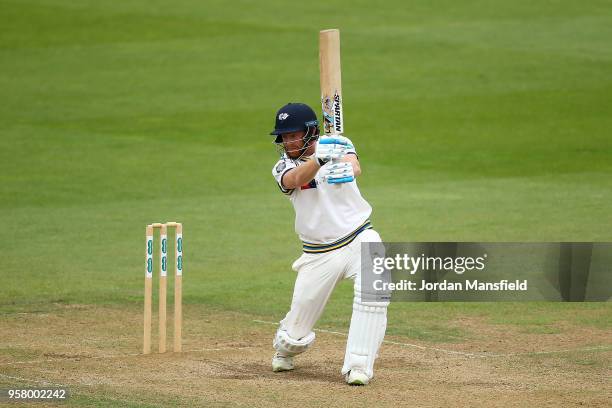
(281, 166)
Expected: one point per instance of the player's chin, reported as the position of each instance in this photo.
(293, 155)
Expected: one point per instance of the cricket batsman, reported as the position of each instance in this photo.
(332, 219)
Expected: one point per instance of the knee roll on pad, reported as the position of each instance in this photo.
(371, 307)
(290, 346)
(370, 300)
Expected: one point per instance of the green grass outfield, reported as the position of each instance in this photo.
(473, 120)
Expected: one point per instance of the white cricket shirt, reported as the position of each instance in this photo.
(324, 212)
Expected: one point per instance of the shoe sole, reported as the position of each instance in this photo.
(279, 369)
(357, 381)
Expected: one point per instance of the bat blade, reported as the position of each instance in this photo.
(331, 82)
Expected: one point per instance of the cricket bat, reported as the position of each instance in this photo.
(331, 82)
(331, 89)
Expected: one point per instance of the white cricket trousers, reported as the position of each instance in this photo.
(317, 277)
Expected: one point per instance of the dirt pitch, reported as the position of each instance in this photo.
(96, 353)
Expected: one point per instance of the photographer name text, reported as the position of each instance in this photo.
(467, 285)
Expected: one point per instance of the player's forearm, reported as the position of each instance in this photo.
(300, 175)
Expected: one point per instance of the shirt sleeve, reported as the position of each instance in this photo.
(280, 168)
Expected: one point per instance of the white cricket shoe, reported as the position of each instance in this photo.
(357, 377)
(281, 363)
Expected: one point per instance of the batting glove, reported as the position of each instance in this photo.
(330, 148)
(336, 173)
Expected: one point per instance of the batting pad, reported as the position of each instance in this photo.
(368, 325)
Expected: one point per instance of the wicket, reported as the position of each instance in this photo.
(178, 288)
